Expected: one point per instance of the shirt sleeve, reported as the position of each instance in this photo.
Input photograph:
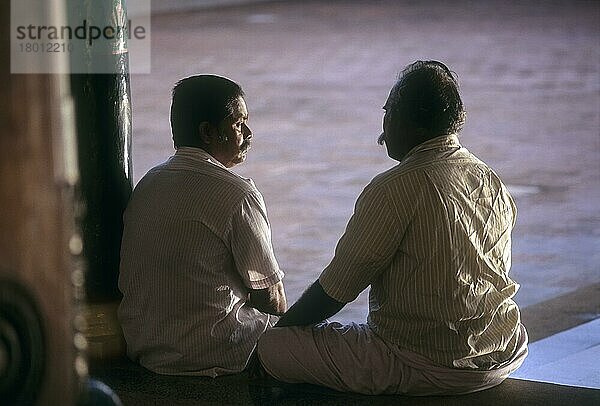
(251, 246)
(370, 242)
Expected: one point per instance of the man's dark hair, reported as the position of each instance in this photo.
(426, 94)
(197, 99)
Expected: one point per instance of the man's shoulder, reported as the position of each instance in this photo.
(205, 174)
(397, 176)
(415, 175)
(213, 187)
(234, 181)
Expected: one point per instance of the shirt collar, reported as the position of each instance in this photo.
(441, 142)
(198, 155)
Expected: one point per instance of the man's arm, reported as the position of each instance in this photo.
(270, 300)
(314, 306)
(252, 251)
(364, 251)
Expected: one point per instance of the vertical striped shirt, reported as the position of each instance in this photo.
(432, 237)
(196, 239)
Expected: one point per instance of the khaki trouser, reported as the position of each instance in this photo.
(352, 358)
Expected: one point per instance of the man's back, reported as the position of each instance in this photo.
(442, 287)
(187, 267)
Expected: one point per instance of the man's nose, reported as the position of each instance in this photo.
(247, 131)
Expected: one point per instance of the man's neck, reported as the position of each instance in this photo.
(203, 151)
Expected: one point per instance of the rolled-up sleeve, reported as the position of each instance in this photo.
(250, 240)
(367, 247)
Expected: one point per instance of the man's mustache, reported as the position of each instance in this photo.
(381, 139)
(246, 145)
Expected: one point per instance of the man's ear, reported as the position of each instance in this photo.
(204, 130)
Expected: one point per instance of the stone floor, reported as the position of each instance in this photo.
(316, 74)
(136, 386)
(570, 357)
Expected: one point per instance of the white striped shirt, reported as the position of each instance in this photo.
(432, 236)
(196, 238)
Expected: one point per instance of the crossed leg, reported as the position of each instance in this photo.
(352, 358)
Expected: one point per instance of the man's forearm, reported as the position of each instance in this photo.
(314, 306)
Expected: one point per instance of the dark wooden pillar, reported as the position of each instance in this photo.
(103, 122)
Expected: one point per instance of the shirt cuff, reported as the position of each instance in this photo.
(334, 290)
(267, 282)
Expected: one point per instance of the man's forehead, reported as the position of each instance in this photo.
(239, 107)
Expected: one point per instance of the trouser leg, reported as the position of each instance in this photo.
(349, 358)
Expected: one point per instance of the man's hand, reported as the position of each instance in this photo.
(270, 300)
(313, 307)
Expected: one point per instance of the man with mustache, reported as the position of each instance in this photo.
(198, 274)
(432, 238)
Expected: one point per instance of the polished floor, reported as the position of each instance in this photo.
(569, 358)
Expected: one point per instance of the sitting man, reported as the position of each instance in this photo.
(198, 274)
(432, 237)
